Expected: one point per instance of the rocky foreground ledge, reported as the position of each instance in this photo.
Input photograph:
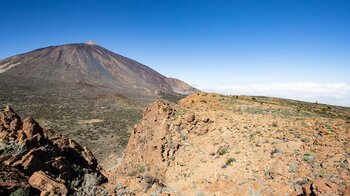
(207, 144)
(210, 144)
(37, 161)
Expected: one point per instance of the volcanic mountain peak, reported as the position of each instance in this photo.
(93, 65)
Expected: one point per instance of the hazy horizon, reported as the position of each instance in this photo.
(291, 49)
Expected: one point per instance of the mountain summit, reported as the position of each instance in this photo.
(94, 66)
(90, 42)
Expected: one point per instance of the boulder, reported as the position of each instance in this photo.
(7, 116)
(46, 184)
(278, 169)
(189, 118)
(205, 119)
(31, 127)
(321, 187)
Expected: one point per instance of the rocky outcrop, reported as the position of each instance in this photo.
(321, 187)
(12, 180)
(46, 184)
(210, 144)
(52, 163)
(153, 146)
(148, 142)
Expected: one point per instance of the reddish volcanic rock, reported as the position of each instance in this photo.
(12, 179)
(321, 187)
(52, 161)
(211, 144)
(46, 184)
(31, 127)
(8, 116)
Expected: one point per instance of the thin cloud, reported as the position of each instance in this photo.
(330, 93)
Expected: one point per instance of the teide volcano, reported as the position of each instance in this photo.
(93, 66)
(86, 92)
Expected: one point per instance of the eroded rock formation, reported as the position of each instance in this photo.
(210, 144)
(34, 160)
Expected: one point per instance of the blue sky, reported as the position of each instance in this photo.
(286, 48)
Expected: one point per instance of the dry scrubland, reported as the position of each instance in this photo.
(73, 112)
(98, 119)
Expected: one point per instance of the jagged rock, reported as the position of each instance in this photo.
(154, 146)
(15, 124)
(321, 187)
(89, 157)
(31, 127)
(12, 179)
(81, 155)
(46, 184)
(8, 116)
(21, 136)
(33, 150)
(234, 146)
(74, 145)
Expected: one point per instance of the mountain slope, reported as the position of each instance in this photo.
(93, 66)
(180, 87)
